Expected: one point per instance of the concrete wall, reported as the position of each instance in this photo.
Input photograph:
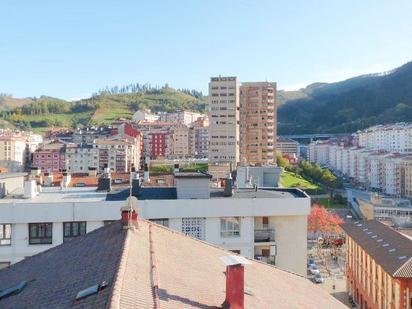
(10, 185)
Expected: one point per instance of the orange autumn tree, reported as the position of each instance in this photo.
(323, 221)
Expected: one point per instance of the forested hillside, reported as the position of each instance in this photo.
(349, 105)
(103, 107)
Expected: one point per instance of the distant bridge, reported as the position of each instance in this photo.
(314, 136)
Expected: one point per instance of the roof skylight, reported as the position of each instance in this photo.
(392, 250)
(16, 289)
(402, 257)
(91, 290)
(385, 245)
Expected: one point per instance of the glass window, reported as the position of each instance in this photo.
(40, 233)
(5, 234)
(73, 229)
(230, 226)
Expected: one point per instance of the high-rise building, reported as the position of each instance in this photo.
(224, 120)
(258, 132)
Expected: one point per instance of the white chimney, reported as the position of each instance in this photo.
(30, 189)
(146, 177)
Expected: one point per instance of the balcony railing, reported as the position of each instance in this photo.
(265, 235)
(266, 259)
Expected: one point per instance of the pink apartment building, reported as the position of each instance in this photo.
(50, 157)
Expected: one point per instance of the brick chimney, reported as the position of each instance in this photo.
(130, 216)
(235, 281)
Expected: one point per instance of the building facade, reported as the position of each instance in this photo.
(258, 123)
(287, 146)
(50, 157)
(379, 266)
(223, 120)
(272, 229)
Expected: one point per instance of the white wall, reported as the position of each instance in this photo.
(287, 217)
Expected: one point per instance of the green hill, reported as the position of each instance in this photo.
(347, 106)
(39, 114)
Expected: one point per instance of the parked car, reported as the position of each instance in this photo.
(319, 278)
(313, 269)
(311, 261)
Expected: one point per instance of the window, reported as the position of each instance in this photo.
(194, 227)
(265, 222)
(164, 222)
(73, 229)
(5, 234)
(40, 233)
(230, 226)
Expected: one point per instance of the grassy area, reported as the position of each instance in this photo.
(291, 180)
(107, 113)
(331, 203)
(203, 167)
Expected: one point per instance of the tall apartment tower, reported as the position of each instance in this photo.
(258, 123)
(224, 120)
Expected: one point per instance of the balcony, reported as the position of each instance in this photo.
(264, 235)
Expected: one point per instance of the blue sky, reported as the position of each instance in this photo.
(69, 49)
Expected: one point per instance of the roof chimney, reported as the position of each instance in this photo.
(135, 184)
(228, 186)
(129, 213)
(104, 183)
(235, 281)
(146, 177)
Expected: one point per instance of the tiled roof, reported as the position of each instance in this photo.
(147, 266)
(390, 249)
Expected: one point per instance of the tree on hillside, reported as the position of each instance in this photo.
(323, 221)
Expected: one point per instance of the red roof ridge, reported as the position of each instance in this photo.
(153, 271)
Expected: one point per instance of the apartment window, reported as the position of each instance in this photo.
(164, 222)
(194, 227)
(73, 229)
(265, 222)
(5, 234)
(40, 233)
(230, 227)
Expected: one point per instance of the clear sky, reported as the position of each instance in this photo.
(70, 49)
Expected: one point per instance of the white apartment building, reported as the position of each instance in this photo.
(223, 111)
(393, 138)
(79, 158)
(318, 152)
(333, 148)
(287, 146)
(145, 115)
(392, 165)
(181, 117)
(16, 149)
(362, 165)
(375, 174)
(201, 141)
(270, 225)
